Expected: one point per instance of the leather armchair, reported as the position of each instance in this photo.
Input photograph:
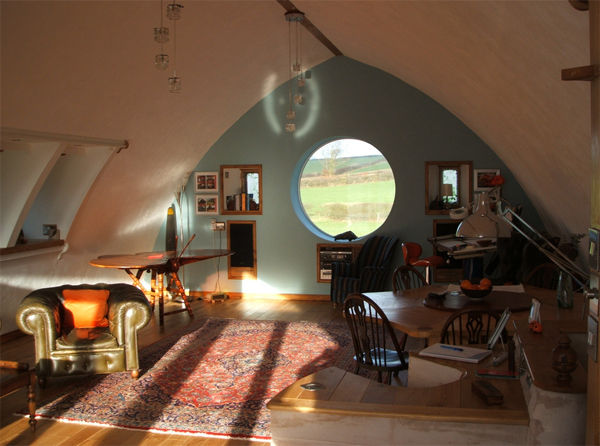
(367, 272)
(63, 351)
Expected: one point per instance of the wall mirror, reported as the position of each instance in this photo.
(448, 185)
(241, 189)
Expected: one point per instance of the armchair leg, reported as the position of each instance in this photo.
(42, 382)
(135, 374)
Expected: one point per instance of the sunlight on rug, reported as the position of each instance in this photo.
(214, 378)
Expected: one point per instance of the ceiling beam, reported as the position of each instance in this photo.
(289, 7)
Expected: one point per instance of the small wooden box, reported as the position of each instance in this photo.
(487, 392)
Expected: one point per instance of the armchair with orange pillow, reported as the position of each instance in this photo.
(85, 329)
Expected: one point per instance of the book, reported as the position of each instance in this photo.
(455, 352)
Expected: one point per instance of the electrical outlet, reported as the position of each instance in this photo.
(213, 224)
(220, 226)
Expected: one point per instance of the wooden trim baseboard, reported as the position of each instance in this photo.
(241, 295)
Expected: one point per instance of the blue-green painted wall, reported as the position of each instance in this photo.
(344, 98)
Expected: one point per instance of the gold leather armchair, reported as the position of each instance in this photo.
(64, 351)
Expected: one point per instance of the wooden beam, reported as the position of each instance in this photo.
(290, 7)
(586, 73)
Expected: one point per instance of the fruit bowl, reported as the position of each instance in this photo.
(476, 294)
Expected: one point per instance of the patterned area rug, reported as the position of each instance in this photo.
(214, 378)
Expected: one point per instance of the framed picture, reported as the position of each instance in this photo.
(206, 182)
(482, 179)
(207, 204)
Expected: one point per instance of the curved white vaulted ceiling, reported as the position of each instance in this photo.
(494, 64)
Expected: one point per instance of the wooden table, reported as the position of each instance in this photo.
(159, 264)
(407, 312)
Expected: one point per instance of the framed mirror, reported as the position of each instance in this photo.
(241, 189)
(448, 185)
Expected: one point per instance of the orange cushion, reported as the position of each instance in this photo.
(85, 308)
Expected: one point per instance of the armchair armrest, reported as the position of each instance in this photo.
(39, 315)
(128, 312)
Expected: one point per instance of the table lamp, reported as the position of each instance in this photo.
(447, 192)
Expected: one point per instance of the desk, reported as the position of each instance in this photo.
(159, 264)
(461, 248)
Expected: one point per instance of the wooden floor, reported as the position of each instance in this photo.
(15, 430)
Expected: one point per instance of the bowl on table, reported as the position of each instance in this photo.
(476, 293)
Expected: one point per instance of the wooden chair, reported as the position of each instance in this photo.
(375, 343)
(474, 325)
(543, 276)
(406, 277)
(412, 253)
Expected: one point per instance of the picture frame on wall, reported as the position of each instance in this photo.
(482, 179)
(206, 182)
(207, 204)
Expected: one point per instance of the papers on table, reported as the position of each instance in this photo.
(456, 352)
(509, 288)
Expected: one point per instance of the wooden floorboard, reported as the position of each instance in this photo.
(15, 430)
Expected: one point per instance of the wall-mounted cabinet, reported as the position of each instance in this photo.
(448, 185)
(241, 240)
(242, 191)
(327, 253)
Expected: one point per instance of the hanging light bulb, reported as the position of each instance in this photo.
(174, 82)
(301, 81)
(161, 35)
(161, 61)
(174, 11)
(296, 67)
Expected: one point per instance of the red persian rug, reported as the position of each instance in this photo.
(214, 378)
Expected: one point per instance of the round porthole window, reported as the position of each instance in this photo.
(343, 185)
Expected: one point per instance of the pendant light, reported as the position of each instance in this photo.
(174, 13)
(296, 67)
(161, 35)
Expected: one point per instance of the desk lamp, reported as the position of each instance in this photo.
(555, 255)
(483, 223)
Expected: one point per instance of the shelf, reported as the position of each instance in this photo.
(32, 248)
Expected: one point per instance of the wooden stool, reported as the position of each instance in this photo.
(15, 375)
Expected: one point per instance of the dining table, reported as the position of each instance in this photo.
(159, 264)
(420, 315)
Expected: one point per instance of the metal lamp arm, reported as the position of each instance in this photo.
(556, 256)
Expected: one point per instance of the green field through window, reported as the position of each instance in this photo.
(347, 185)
